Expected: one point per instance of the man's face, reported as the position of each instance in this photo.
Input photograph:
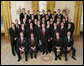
(32, 35)
(43, 25)
(58, 20)
(22, 25)
(12, 25)
(23, 10)
(21, 34)
(28, 12)
(69, 25)
(57, 34)
(38, 22)
(64, 20)
(49, 12)
(68, 34)
(54, 24)
(43, 19)
(16, 21)
(38, 12)
(58, 11)
(43, 12)
(62, 24)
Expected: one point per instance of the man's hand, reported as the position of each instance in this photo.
(15, 38)
(68, 48)
(48, 40)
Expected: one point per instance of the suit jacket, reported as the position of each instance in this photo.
(62, 32)
(50, 16)
(28, 17)
(43, 16)
(28, 32)
(68, 44)
(34, 44)
(21, 18)
(23, 44)
(43, 38)
(13, 34)
(58, 43)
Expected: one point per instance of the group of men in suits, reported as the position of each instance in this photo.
(42, 32)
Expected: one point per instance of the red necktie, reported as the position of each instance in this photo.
(43, 32)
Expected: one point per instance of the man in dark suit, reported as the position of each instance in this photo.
(58, 22)
(68, 45)
(43, 15)
(65, 23)
(39, 18)
(29, 30)
(38, 13)
(22, 15)
(33, 44)
(62, 31)
(58, 43)
(48, 29)
(70, 28)
(43, 38)
(49, 14)
(55, 15)
(47, 18)
(43, 21)
(13, 32)
(53, 18)
(37, 35)
(18, 26)
(22, 46)
(23, 29)
(28, 15)
(34, 13)
(58, 13)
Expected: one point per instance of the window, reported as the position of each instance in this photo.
(42, 6)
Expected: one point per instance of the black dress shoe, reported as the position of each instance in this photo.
(43, 53)
(26, 60)
(59, 58)
(74, 58)
(35, 57)
(14, 54)
(66, 59)
(56, 58)
(19, 59)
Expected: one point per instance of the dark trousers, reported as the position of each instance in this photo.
(73, 52)
(50, 46)
(25, 51)
(60, 54)
(13, 47)
(45, 47)
(35, 53)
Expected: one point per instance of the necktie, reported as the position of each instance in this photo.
(43, 32)
(21, 43)
(32, 41)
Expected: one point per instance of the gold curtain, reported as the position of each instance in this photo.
(35, 5)
(51, 6)
(6, 14)
(77, 17)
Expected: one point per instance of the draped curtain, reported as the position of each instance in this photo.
(35, 5)
(6, 14)
(77, 17)
(51, 6)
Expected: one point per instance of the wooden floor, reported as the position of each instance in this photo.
(8, 59)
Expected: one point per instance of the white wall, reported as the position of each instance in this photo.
(66, 4)
(19, 4)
